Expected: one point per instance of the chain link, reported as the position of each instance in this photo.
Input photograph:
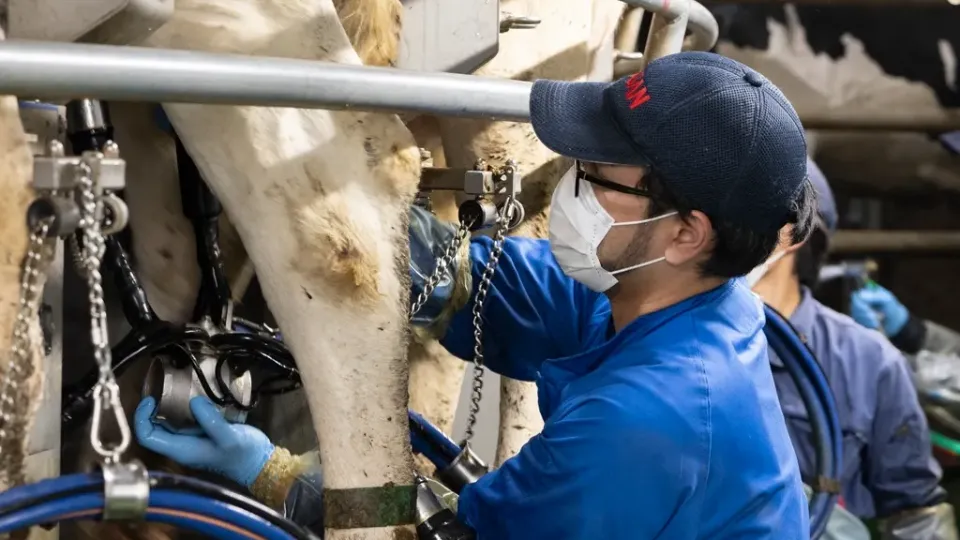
(504, 217)
(446, 260)
(20, 366)
(106, 396)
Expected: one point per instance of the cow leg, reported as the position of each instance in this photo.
(16, 174)
(558, 48)
(320, 201)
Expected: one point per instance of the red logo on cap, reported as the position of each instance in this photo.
(636, 93)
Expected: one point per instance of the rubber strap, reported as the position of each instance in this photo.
(364, 508)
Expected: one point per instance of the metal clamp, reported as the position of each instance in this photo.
(56, 175)
(55, 171)
(126, 491)
(465, 469)
(480, 181)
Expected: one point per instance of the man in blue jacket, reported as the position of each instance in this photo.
(888, 466)
(661, 415)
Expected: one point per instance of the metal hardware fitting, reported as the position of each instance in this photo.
(465, 469)
(174, 387)
(479, 181)
(517, 22)
(126, 491)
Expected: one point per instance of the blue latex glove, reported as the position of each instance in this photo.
(235, 451)
(867, 302)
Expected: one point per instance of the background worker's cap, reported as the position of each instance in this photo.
(826, 204)
(720, 135)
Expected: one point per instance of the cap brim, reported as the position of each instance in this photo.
(570, 118)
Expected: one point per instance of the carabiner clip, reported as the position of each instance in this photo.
(111, 455)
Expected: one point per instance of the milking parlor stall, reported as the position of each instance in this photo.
(212, 198)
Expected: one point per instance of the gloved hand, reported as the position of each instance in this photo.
(236, 451)
(429, 237)
(865, 303)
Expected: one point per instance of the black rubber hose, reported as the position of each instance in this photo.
(203, 209)
(133, 298)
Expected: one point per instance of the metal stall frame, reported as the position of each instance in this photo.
(58, 71)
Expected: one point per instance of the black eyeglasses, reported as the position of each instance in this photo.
(604, 183)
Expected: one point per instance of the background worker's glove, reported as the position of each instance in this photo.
(236, 451)
(429, 238)
(868, 302)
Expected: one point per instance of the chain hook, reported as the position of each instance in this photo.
(110, 391)
(504, 218)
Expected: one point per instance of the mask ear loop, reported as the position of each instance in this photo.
(576, 185)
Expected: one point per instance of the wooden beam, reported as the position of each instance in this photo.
(928, 121)
(857, 241)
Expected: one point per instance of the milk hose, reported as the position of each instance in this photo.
(181, 501)
(818, 399)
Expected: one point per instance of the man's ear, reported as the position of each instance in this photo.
(692, 237)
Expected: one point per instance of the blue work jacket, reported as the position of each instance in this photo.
(669, 429)
(888, 466)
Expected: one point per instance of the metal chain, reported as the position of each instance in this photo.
(446, 260)
(20, 366)
(106, 396)
(504, 217)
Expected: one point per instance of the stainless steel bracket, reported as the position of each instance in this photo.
(481, 181)
(126, 491)
(465, 469)
(56, 171)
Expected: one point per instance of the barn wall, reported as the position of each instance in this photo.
(871, 61)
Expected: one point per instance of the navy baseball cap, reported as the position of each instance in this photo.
(826, 204)
(722, 136)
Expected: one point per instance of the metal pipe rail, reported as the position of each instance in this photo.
(54, 71)
(700, 21)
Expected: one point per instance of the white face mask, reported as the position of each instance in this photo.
(757, 273)
(577, 226)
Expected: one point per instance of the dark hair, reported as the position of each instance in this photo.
(737, 249)
(810, 258)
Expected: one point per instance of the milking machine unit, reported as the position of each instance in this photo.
(234, 361)
(77, 200)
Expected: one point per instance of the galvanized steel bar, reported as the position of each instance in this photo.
(700, 21)
(35, 69)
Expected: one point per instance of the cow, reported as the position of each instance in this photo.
(164, 244)
(319, 200)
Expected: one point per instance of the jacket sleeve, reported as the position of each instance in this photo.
(570, 481)
(902, 473)
(304, 503)
(533, 311)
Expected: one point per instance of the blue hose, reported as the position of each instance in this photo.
(70, 498)
(433, 444)
(89, 505)
(818, 399)
(49, 488)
